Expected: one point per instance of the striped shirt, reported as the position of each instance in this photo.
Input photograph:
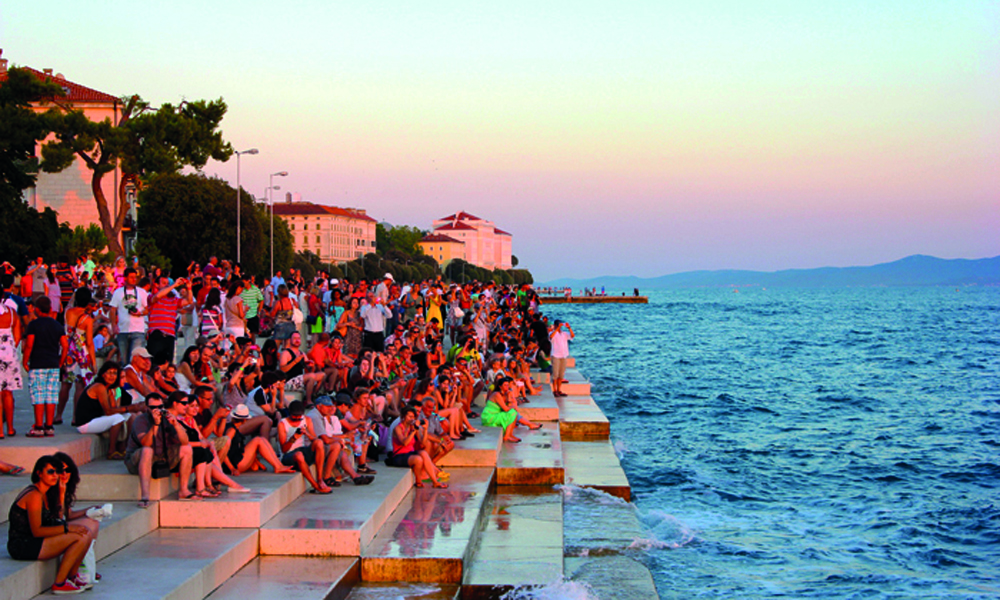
(252, 297)
(163, 315)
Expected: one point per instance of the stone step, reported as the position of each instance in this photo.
(24, 579)
(577, 385)
(174, 564)
(540, 408)
(581, 418)
(536, 460)
(521, 544)
(370, 590)
(270, 493)
(24, 451)
(479, 451)
(338, 524)
(595, 465)
(109, 479)
(431, 534)
(271, 577)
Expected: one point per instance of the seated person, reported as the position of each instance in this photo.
(435, 442)
(157, 437)
(327, 426)
(405, 454)
(300, 447)
(244, 451)
(100, 399)
(36, 531)
(65, 495)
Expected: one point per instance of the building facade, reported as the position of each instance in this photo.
(442, 248)
(69, 192)
(334, 234)
(483, 244)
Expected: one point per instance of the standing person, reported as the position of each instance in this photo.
(375, 315)
(129, 305)
(80, 330)
(560, 352)
(164, 307)
(350, 328)
(37, 273)
(45, 351)
(10, 371)
(236, 312)
(252, 299)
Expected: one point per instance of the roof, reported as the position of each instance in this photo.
(440, 239)
(295, 209)
(501, 232)
(74, 91)
(461, 216)
(454, 226)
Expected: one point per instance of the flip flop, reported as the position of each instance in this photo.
(15, 470)
(418, 484)
(192, 497)
(320, 492)
(441, 485)
(35, 433)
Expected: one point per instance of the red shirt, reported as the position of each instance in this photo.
(163, 315)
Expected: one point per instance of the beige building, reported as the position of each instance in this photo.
(442, 248)
(483, 244)
(68, 192)
(334, 234)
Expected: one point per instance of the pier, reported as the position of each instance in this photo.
(594, 299)
(500, 524)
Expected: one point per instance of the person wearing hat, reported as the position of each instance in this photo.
(382, 290)
(326, 423)
(136, 379)
(246, 452)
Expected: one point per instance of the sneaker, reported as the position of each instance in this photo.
(366, 470)
(66, 587)
(81, 582)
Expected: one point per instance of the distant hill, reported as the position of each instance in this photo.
(916, 270)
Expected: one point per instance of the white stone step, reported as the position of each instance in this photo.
(536, 460)
(431, 534)
(270, 493)
(24, 579)
(174, 564)
(301, 578)
(337, 524)
(109, 479)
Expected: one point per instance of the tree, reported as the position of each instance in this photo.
(193, 217)
(79, 241)
(513, 261)
(24, 232)
(144, 142)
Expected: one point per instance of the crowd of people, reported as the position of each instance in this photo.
(218, 373)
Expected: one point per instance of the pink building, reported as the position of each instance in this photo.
(484, 245)
(332, 233)
(69, 192)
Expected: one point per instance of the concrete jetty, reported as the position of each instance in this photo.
(500, 524)
(594, 299)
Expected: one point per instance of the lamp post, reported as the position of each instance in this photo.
(272, 188)
(239, 240)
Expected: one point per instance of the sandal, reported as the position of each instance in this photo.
(35, 432)
(207, 494)
(191, 497)
(418, 484)
(15, 470)
(441, 485)
(321, 492)
(366, 470)
(332, 482)
(144, 503)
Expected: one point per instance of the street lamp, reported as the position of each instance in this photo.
(271, 184)
(238, 238)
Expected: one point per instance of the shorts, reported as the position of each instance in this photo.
(168, 463)
(307, 452)
(44, 385)
(295, 383)
(284, 331)
(400, 460)
(26, 549)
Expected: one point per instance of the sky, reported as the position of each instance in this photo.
(639, 138)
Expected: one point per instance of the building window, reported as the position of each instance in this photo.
(293, 226)
(317, 239)
(305, 226)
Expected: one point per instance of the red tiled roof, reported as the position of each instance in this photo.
(454, 226)
(440, 239)
(74, 91)
(501, 232)
(294, 209)
(461, 216)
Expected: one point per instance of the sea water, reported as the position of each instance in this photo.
(803, 443)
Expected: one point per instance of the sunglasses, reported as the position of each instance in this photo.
(53, 471)
(182, 402)
(157, 407)
(295, 418)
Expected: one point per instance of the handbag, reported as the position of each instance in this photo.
(297, 317)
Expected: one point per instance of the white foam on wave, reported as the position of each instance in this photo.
(664, 530)
(557, 590)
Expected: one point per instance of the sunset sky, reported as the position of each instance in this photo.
(616, 138)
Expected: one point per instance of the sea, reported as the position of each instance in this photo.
(802, 443)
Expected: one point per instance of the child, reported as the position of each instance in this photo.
(45, 350)
(103, 345)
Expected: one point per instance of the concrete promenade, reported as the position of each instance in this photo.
(499, 525)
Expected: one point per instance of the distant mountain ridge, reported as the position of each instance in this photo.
(916, 270)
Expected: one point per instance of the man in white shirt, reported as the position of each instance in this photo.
(129, 305)
(326, 424)
(375, 315)
(560, 352)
